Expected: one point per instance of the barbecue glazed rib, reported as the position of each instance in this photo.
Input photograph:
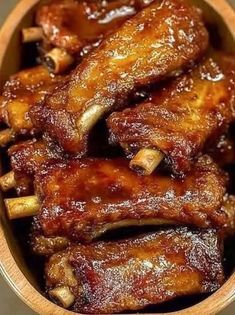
(26, 158)
(111, 277)
(78, 26)
(47, 246)
(83, 199)
(157, 42)
(22, 91)
(180, 118)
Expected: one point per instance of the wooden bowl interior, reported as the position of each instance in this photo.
(14, 58)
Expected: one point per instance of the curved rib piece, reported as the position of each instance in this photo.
(23, 90)
(113, 277)
(83, 199)
(79, 26)
(26, 158)
(181, 118)
(156, 43)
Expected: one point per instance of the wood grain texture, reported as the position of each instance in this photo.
(11, 263)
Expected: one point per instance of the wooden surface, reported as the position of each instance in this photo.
(17, 279)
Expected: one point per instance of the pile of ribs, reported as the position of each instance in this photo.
(142, 218)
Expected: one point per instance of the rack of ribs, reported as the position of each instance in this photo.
(178, 119)
(23, 90)
(111, 277)
(157, 42)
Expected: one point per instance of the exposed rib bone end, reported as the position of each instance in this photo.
(32, 34)
(63, 296)
(7, 181)
(58, 60)
(146, 160)
(22, 207)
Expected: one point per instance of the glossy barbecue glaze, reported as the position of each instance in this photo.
(155, 43)
(82, 200)
(129, 275)
(48, 245)
(26, 158)
(22, 91)
(78, 26)
(181, 117)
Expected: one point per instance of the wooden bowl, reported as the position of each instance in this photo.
(13, 264)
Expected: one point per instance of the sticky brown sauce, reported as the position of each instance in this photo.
(91, 22)
(71, 22)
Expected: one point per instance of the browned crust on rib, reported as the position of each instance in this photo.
(131, 274)
(23, 90)
(150, 46)
(81, 200)
(182, 116)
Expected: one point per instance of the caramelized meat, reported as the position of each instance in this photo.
(26, 158)
(22, 91)
(180, 118)
(111, 277)
(155, 43)
(78, 26)
(83, 199)
(47, 246)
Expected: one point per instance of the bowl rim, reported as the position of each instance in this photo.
(8, 266)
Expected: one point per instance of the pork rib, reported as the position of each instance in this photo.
(182, 116)
(157, 42)
(131, 274)
(83, 199)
